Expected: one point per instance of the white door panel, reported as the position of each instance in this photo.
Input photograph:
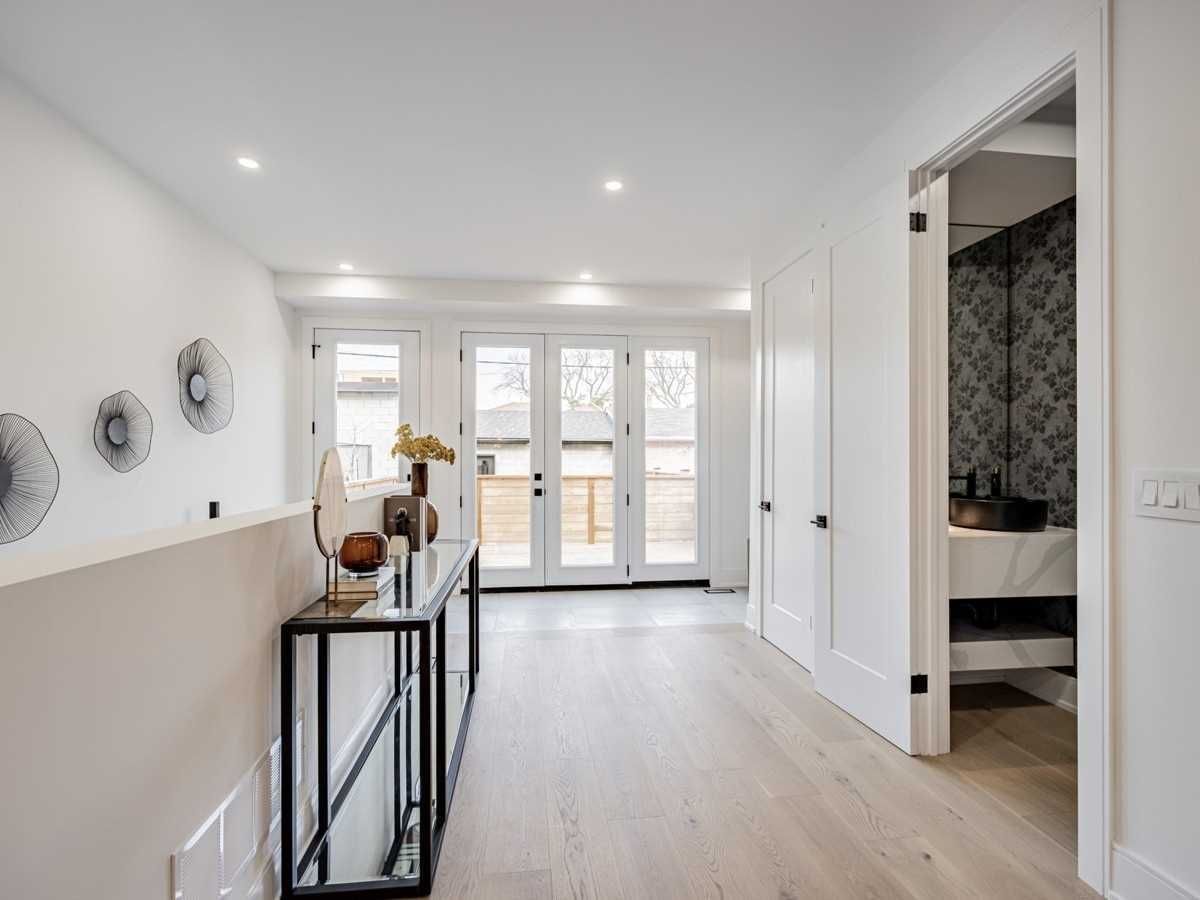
(668, 458)
(789, 438)
(862, 606)
(587, 411)
(503, 465)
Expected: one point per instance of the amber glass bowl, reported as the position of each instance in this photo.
(363, 551)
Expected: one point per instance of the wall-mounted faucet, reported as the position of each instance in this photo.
(996, 488)
(970, 478)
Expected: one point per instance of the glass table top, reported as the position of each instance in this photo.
(423, 580)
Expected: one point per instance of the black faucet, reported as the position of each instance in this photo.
(995, 489)
(970, 478)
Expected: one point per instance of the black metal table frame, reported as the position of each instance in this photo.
(430, 627)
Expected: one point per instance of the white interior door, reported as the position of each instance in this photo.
(861, 613)
(503, 466)
(366, 384)
(789, 441)
(587, 424)
(668, 459)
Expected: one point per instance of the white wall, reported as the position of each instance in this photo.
(1156, 372)
(104, 280)
(137, 694)
(1156, 320)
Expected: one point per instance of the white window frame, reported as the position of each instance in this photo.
(641, 569)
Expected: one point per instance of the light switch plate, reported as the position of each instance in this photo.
(1167, 494)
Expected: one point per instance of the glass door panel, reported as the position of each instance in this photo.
(503, 485)
(587, 395)
(367, 385)
(670, 454)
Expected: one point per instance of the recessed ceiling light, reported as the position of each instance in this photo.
(585, 276)
(346, 267)
(247, 162)
(613, 185)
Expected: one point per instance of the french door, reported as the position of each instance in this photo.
(584, 460)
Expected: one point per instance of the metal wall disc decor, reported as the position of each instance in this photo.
(205, 387)
(123, 431)
(28, 478)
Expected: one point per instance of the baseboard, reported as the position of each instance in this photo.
(730, 578)
(1046, 684)
(1134, 878)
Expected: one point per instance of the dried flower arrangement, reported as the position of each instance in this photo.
(420, 449)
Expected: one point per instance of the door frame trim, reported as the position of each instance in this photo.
(1088, 66)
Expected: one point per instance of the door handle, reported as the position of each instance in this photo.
(820, 521)
(765, 505)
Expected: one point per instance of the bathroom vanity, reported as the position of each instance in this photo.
(1000, 566)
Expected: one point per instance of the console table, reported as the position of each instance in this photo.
(378, 832)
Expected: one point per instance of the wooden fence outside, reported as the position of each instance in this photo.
(503, 505)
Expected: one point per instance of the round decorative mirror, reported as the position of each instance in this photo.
(198, 388)
(205, 387)
(28, 478)
(123, 431)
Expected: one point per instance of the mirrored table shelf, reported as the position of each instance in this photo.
(377, 833)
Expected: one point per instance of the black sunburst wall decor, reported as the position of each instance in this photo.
(123, 431)
(28, 478)
(205, 387)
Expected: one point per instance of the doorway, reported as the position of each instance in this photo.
(1086, 825)
(586, 458)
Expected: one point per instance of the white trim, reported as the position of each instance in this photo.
(1089, 65)
(640, 569)
(1134, 878)
(1046, 684)
(557, 570)
(307, 399)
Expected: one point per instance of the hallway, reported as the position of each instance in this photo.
(697, 761)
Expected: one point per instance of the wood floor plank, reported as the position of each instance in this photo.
(648, 864)
(581, 855)
(700, 762)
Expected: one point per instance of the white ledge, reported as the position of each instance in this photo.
(40, 564)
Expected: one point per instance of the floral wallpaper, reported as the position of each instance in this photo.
(1013, 364)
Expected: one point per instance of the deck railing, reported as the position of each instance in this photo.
(503, 507)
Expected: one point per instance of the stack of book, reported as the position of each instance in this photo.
(375, 586)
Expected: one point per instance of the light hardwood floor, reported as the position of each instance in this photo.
(697, 761)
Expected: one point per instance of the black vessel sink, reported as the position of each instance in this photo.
(999, 513)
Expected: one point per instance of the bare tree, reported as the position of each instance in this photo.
(515, 378)
(670, 379)
(587, 378)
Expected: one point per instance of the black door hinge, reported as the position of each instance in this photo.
(626, 359)
(627, 428)
(764, 505)
(920, 684)
(460, 356)
(626, 499)
(918, 222)
(315, 348)
(460, 427)
(314, 424)
(627, 571)
(460, 501)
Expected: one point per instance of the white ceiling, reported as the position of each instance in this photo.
(471, 140)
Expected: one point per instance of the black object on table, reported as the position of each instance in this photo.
(378, 832)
